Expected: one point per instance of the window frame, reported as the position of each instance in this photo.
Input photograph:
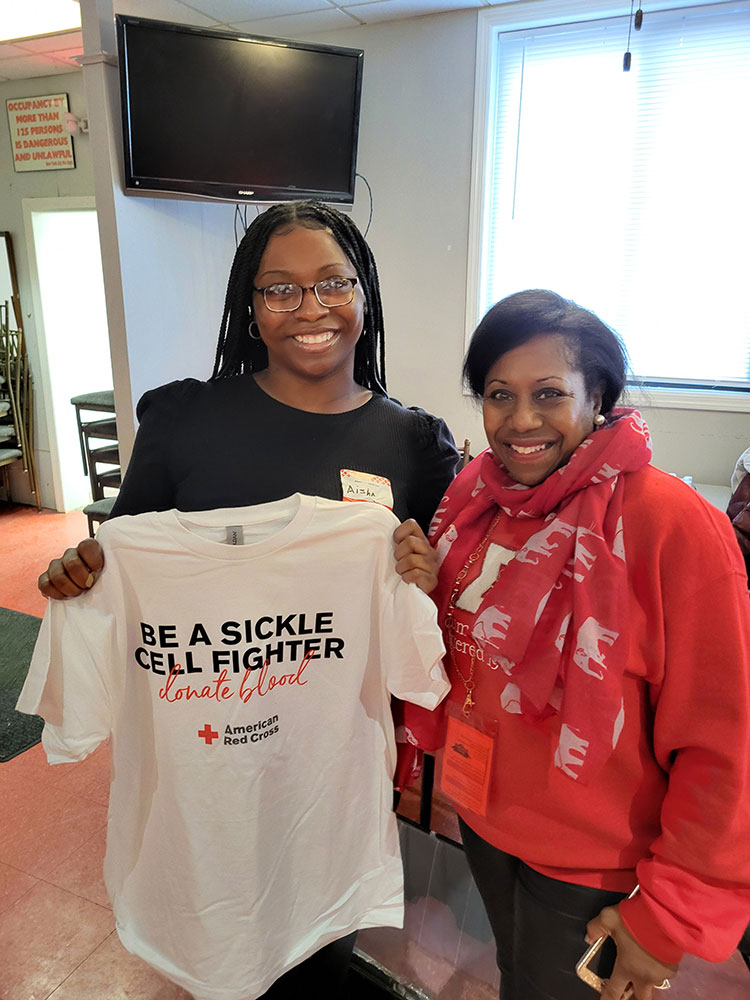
(520, 16)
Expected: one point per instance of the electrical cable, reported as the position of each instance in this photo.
(367, 184)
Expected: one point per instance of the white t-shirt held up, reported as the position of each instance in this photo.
(242, 661)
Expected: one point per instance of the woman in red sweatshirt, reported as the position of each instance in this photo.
(596, 615)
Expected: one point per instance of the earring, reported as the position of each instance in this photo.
(256, 335)
(600, 419)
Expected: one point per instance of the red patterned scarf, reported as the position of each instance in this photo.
(554, 621)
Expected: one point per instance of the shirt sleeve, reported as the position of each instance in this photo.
(436, 469)
(70, 679)
(438, 466)
(148, 483)
(412, 647)
(695, 884)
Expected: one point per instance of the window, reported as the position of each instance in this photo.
(628, 192)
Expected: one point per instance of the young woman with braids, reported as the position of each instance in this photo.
(297, 395)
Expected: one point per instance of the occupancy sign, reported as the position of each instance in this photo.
(38, 135)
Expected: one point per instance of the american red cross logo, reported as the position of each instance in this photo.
(208, 734)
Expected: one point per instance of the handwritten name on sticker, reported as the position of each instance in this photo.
(358, 487)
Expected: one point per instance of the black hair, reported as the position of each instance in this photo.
(598, 352)
(238, 353)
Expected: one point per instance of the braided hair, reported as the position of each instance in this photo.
(237, 353)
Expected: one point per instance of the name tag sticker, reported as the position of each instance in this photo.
(363, 486)
(467, 763)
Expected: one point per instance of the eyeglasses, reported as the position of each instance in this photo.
(330, 292)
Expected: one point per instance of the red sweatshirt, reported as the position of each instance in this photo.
(671, 808)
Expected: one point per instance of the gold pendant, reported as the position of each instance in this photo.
(468, 704)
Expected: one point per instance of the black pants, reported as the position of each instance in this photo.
(539, 924)
(321, 975)
(744, 947)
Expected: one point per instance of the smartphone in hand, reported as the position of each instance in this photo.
(595, 981)
(588, 975)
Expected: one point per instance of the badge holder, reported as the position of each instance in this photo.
(467, 758)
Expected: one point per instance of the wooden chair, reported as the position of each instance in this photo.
(16, 406)
(99, 451)
(95, 402)
(98, 511)
(9, 451)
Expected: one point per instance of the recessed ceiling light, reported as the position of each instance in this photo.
(38, 17)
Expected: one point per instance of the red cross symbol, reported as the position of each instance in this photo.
(208, 734)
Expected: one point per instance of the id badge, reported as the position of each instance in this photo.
(364, 486)
(467, 761)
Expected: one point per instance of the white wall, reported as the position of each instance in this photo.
(415, 150)
(165, 261)
(175, 259)
(699, 443)
(38, 184)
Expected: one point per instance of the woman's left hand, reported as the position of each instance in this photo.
(633, 964)
(416, 560)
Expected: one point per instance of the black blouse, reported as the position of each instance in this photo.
(227, 443)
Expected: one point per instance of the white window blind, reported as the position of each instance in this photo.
(630, 192)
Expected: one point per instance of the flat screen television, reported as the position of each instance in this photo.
(238, 117)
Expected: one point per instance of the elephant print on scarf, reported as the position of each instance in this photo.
(540, 546)
(583, 558)
(491, 627)
(571, 751)
(589, 655)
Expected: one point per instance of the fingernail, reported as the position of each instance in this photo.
(588, 940)
(89, 581)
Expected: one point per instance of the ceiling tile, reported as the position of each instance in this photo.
(54, 68)
(389, 10)
(52, 43)
(30, 66)
(66, 56)
(10, 51)
(167, 10)
(235, 11)
(283, 18)
(297, 24)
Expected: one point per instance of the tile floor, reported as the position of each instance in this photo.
(29, 539)
(57, 938)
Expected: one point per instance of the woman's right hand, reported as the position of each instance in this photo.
(416, 560)
(75, 573)
(634, 967)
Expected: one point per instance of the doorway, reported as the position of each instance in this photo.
(62, 237)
